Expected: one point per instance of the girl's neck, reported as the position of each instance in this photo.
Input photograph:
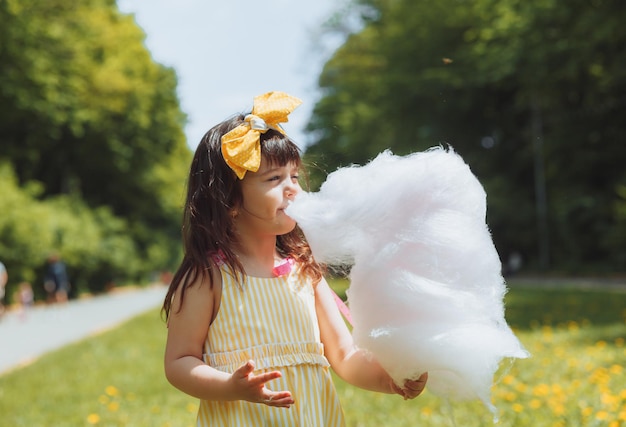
(258, 256)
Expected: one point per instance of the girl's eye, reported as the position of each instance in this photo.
(295, 177)
(275, 178)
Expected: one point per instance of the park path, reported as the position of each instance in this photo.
(48, 327)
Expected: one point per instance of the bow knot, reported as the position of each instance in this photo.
(257, 123)
(241, 147)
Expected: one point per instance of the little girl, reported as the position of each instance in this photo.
(252, 324)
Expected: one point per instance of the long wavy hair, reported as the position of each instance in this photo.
(213, 193)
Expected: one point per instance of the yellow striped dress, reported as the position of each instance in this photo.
(271, 321)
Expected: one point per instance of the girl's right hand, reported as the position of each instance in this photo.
(252, 387)
(411, 388)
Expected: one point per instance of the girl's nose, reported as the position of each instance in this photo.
(291, 190)
(290, 193)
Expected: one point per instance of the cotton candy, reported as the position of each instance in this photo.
(426, 291)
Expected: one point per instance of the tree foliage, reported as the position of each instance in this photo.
(86, 113)
(94, 243)
(531, 94)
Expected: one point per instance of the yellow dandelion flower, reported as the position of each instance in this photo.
(541, 390)
(600, 376)
(619, 342)
(602, 415)
(616, 369)
(518, 407)
(557, 389)
(573, 326)
(609, 399)
(600, 344)
(586, 412)
(93, 418)
(192, 407)
(614, 423)
(427, 411)
(111, 391)
(622, 415)
(103, 399)
(535, 404)
(509, 379)
(113, 406)
(509, 396)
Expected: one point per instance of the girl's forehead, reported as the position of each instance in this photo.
(268, 164)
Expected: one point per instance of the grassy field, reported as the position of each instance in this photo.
(575, 377)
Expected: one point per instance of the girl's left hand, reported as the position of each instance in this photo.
(411, 388)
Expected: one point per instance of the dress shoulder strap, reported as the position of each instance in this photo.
(284, 268)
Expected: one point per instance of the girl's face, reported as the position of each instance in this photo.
(266, 193)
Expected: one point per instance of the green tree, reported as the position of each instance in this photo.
(96, 245)
(529, 93)
(86, 112)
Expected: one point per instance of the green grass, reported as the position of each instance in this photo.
(575, 377)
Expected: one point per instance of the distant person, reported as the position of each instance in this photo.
(56, 280)
(513, 264)
(25, 297)
(4, 277)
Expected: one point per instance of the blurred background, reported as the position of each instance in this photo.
(95, 141)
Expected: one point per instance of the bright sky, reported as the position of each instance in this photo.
(226, 52)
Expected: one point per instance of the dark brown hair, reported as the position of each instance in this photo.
(213, 192)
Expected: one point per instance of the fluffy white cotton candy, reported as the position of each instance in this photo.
(426, 290)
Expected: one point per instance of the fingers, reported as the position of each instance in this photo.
(280, 399)
(244, 370)
(420, 382)
(264, 377)
(253, 386)
(413, 388)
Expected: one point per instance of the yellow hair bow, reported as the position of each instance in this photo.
(241, 147)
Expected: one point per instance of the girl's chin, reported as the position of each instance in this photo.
(287, 227)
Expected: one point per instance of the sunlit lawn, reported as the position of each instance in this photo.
(575, 377)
